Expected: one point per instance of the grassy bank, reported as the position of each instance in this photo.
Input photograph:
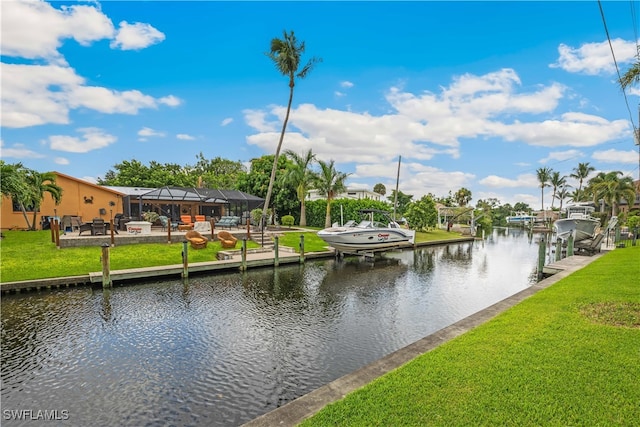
(30, 255)
(569, 355)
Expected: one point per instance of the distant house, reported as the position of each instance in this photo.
(351, 193)
(624, 206)
(79, 199)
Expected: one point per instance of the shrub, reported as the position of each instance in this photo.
(287, 220)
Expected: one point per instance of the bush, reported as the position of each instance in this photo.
(151, 217)
(287, 220)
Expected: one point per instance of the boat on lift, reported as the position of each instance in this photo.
(368, 236)
(578, 222)
(520, 218)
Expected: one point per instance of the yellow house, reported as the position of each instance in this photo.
(79, 198)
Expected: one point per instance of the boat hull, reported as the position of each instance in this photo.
(354, 239)
(581, 228)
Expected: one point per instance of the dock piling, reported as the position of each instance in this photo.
(558, 249)
(243, 251)
(106, 266)
(185, 260)
(541, 253)
(276, 259)
(302, 249)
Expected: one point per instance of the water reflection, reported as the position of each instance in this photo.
(221, 350)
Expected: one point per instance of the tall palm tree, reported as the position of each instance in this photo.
(612, 187)
(38, 184)
(301, 177)
(285, 54)
(556, 182)
(329, 182)
(544, 175)
(581, 172)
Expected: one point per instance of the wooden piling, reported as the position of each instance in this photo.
(113, 236)
(56, 232)
(541, 253)
(558, 249)
(248, 228)
(185, 260)
(302, 249)
(276, 260)
(243, 252)
(570, 245)
(106, 266)
(168, 230)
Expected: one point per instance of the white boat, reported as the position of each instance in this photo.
(520, 218)
(367, 236)
(579, 222)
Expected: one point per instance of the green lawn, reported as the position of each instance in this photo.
(569, 355)
(29, 255)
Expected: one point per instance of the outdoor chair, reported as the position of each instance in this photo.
(227, 240)
(97, 226)
(590, 246)
(164, 221)
(186, 219)
(200, 218)
(197, 240)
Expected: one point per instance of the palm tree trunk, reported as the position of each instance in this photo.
(267, 199)
(303, 214)
(327, 217)
(24, 214)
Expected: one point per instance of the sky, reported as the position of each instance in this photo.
(470, 94)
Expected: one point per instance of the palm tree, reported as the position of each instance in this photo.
(329, 182)
(301, 177)
(13, 180)
(285, 54)
(556, 181)
(631, 76)
(612, 187)
(562, 194)
(581, 172)
(37, 185)
(544, 174)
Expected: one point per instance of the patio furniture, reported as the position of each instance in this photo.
(228, 221)
(197, 240)
(227, 240)
(98, 227)
(200, 218)
(165, 223)
(186, 219)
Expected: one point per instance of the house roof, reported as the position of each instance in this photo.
(203, 195)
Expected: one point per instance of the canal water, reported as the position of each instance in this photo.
(224, 349)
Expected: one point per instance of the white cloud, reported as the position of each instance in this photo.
(524, 180)
(18, 151)
(595, 58)
(226, 121)
(61, 161)
(346, 84)
(339, 94)
(145, 131)
(171, 101)
(35, 29)
(136, 36)
(422, 126)
(40, 94)
(561, 155)
(92, 139)
(616, 156)
(185, 137)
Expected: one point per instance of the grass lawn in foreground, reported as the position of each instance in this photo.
(569, 355)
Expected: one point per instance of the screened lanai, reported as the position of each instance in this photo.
(176, 201)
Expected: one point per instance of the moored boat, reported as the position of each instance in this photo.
(368, 235)
(578, 222)
(520, 218)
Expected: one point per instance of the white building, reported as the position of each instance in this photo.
(351, 193)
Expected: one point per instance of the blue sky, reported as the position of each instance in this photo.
(470, 94)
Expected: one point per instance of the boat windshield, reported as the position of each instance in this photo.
(365, 224)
